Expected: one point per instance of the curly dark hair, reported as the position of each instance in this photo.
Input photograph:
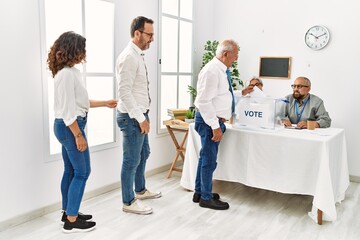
(67, 50)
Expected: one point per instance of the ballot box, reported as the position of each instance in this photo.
(262, 113)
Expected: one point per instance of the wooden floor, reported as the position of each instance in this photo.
(253, 214)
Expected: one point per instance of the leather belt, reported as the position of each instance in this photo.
(222, 119)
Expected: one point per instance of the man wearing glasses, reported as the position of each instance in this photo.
(304, 106)
(132, 116)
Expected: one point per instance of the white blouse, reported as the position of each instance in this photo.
(70, 95)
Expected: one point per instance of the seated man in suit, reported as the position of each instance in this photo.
(304, 106)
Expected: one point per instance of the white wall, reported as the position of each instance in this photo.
(27, 180)
(277, 28)
(203, 30)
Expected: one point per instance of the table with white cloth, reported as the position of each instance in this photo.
(283, 160)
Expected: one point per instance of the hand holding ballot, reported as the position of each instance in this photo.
(254, 83)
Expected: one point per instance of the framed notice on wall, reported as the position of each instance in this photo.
(275, 67)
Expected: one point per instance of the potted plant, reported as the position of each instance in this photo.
(189, 117)
(192, 91)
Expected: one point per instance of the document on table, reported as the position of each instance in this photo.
(293, 126)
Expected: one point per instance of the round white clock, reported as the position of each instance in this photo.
(317, 37)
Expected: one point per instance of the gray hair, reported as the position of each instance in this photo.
(256, 78)
(226, 46)
(306, 79)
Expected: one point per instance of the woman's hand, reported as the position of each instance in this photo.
(111, 103)
(247, 90)
(81, 143)
(103, 103)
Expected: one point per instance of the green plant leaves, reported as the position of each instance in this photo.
(209, 54)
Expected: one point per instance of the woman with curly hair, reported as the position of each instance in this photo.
(71, 105)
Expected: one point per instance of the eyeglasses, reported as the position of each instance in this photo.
(256, 84)
(293, 86)
(151, 35)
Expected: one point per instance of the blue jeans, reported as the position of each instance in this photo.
(136, 151)
(76, 166)
(207, 160)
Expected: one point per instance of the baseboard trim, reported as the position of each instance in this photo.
(355, 179)
(28, 216)
(158, 170)
(22, 218)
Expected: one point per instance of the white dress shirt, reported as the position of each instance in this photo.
(70, 95)
(213, 96)
(132, 80)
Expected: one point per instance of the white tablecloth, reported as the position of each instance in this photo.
(283, 160)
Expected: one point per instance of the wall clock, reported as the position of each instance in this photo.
(317, 37)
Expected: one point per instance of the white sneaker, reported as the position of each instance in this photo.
(148, 195)
(138, 208)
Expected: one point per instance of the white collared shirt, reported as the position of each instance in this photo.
(132, 83)
(70, 95)
(213, 96)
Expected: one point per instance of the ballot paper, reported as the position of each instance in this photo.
(257, 93)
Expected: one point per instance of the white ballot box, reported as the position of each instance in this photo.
(259, 112)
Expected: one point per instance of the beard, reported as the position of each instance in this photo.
(298, 96)
(144, 44)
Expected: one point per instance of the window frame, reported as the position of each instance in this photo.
(160, 128)
(48, 156)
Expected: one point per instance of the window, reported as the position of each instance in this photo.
(94, 19)
(176, 45)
